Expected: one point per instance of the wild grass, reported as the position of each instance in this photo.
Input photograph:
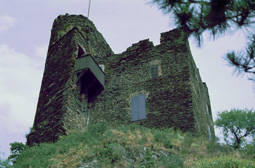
(225, 162)
(129, 146)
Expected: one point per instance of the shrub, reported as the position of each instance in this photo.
(249, 150)
(165, 137)
(116, 151)
(214, 147)
(171, 161)
(225, 162)
(162, 138)
(5, 163)
(188, 140)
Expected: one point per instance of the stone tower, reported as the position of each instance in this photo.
(85, 82)
(61, 105)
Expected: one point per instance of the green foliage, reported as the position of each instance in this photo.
(225, 162)
(103, 146)
(172, 161)
(188, 140)
(148, 160)
(115, 151)
(16, 148)
(249, 149)
(243, 62)
(37, 156)
(216, 148)
(216, 17)
(4, 163)
(236, 124)
(125, 146)
(165, 137)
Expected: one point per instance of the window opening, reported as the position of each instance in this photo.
(154, 71)
(208, 109)
(80, 52)
(209, 132)
(138, 108)
(102, 67)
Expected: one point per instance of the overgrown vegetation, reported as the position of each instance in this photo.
(237, 125)
(16, 148)
(131, 146)
(4, 163)
(225, 162)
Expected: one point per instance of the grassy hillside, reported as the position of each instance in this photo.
(132, 146)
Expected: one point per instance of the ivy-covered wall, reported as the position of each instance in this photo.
(176, 97)
(60, 106)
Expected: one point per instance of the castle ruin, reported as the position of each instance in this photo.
(84, 82)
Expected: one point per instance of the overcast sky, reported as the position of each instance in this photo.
(24, 36)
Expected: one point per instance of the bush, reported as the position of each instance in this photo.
(16, 149)
(214, 147)
(249, 150)
(172, 161)
(165, 137)
(188, 140)
(162, 138)
(225, 162)
(5, 163)
(116, 151)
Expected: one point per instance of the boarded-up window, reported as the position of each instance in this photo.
(138, 108)
(154, 71)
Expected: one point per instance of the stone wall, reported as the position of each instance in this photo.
(176, 97)
(168, 97)
(60, 105)
(200, 101)
(94, 42)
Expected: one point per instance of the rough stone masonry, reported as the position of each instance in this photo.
(84, 82)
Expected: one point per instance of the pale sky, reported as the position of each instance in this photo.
(24, 36)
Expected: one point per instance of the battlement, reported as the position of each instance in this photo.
(141, 45)
(172, 36)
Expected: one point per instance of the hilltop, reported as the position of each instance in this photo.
(131, 146)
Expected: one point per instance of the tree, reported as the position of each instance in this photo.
(218, 17)
(4, 163)
(244, 62)
(236, 124)
(16, 148)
